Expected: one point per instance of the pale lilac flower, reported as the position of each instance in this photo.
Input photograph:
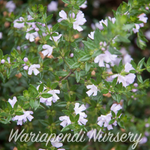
(147, 125)
(143, 18)
(84, 5)
(25, 67)
(91, 35)
(1, 35)
(136, 29)
(135, 85)
(25, 59)
(146, 133)
(82, 120)
(63, 16)
(80, 20)
(127, 59)
(8, 59)
(65, 121)
(115, 108)
(104, 120)
(10, 6)
(53, 6)
(13, 101)
(56, 142)
(93, 90)
(19, 25)
(147, 34)
(23, 118)
(134, 90)
(143, 140)
(41, 149)
(128, 67)
(93, 132)
(2, 61)
(47, 50)
(33, 68)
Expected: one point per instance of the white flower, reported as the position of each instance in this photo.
(47, 101)
(125, 80)
(104, 120)
(31, 36)
(84, 5)
(91, 35)
(93, 90)
(80, 20)
(52, 6)
(115, 108)
(106, 57)
(127, 59)
(47, 50)
(56, 38)
(128, 67)
(23, 118)
(65, 121)
(78, 110)
(136, 29)
(54, 96)
(63, 16)
(143, 18)
(10, 6)
(19, 25)
(82, 120)
(1, 35)
(33, 68)
(13, 101)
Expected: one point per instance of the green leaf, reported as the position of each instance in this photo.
(41, 87)
(75, 65)
(66, 1)
(40, 48)
(140, 64)
(113, 114)
(116, 97)
(62, 73)
(1, 54)
(148, 62)
(111, 121)
(87, 66)
(55, 27)
(46, 95)
(43, 29)
(112, 50)
(80, 2)
(104, 91)
(139, 77)
(67, 128)
(90, 45)
(33, 90)
(77, 76)
(49, 18)
(119, 112)
(128, 27)
(30, 12)
(85, 58)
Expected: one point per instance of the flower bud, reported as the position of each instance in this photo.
(25, 59)
(71, 55)
(2, 61)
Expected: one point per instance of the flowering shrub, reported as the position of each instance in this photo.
(55, 82)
